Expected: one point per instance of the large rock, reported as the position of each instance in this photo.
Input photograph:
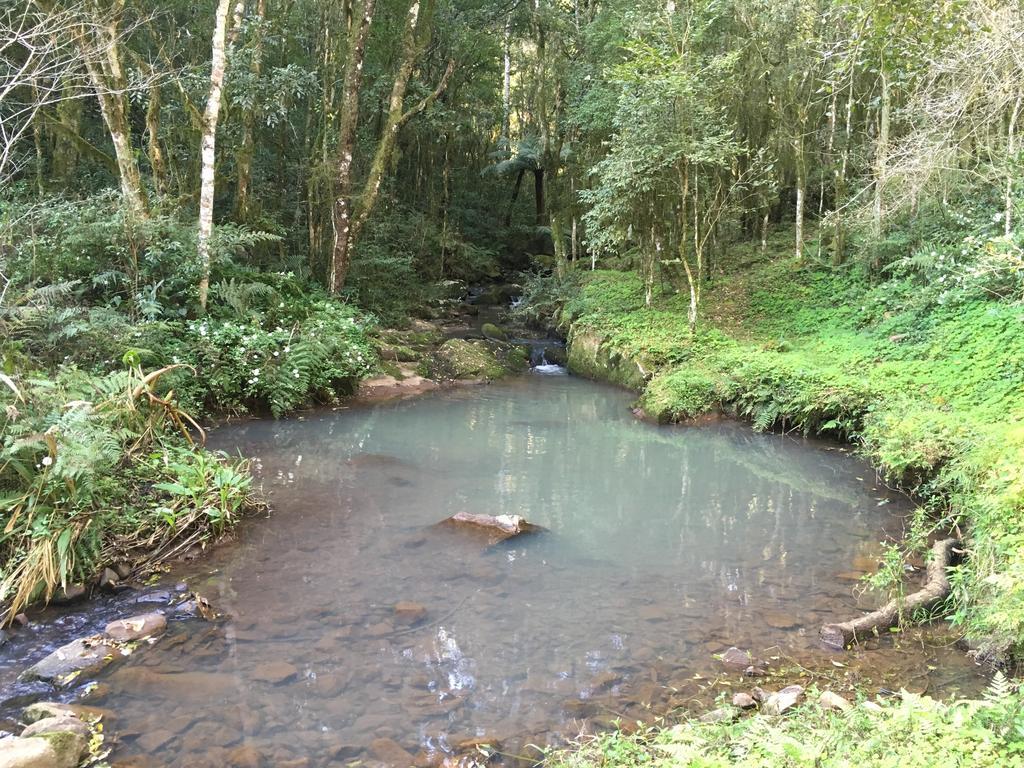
(83, 656)
(53, 749)
(136, 627)
(61, 724)
(494, 529)
(590, 356)
(473, 360)
(493, 332)
(28, 753)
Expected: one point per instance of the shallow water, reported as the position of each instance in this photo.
(665, 546)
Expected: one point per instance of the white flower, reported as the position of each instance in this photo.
(276, 353)
(287, 349)
(47, 461)
(255, 371)
(295, 372)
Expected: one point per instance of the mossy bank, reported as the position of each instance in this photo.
(928, 383)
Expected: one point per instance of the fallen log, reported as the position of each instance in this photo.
(936, 588)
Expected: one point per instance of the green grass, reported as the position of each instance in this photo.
(929, 384)
(914, 732)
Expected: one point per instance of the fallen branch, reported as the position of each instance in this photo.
(936, 588)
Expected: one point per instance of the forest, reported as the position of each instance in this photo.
(805, 216)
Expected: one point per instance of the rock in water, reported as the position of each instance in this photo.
(496, 528)
(779, 702)
(136, 627)
(409, 613)
(87, 654)
(274, 672)
(65, 723)
(744, 661)
(27, 753)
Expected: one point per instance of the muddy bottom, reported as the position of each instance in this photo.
(354, 630)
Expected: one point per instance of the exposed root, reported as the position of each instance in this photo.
(936, 589)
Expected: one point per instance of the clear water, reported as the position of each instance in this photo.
(665, 546)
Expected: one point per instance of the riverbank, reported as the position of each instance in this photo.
(928, 384)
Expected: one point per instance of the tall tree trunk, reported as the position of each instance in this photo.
(881, 156)
(157, 164)
(1011, 151)
(538, 195)
(515, 196)
(106, 74)
(65, 149)
(801, 192)
(417, 35)
(341, 212)
(839, 232)
(246, 150)
(208, 143)
(505, 140)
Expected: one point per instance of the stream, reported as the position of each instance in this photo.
(353, 629)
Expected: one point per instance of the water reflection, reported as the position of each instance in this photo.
(665, 547)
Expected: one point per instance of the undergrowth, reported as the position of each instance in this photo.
(911, 732)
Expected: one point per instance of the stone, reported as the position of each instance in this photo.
(109, 580)
(779, 702)
(495, 528)
(136, 627)
(744, 701)
(72, 593)
(27, 753)
(245, 756)
(4, 637)
(43, 709)
(67, 723)
(759, 694)
(464, 359)
(741, 659)
(830, 700)
(82, 656)
(151, 741)
(391, 753)
(493, 332)
(779, 620)
(721, 715)
(274, 672)
(409, 613)
(207, 687)
(160, 597)
(69, 747)
(21, 619)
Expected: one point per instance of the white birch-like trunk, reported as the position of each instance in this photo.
(208, 144)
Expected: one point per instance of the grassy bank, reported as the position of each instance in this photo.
(913, 732)
(928, 382)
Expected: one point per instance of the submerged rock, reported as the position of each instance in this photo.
(744, 661)
(274, 672)
(85, 655)
(409, 613)
(72, 593)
